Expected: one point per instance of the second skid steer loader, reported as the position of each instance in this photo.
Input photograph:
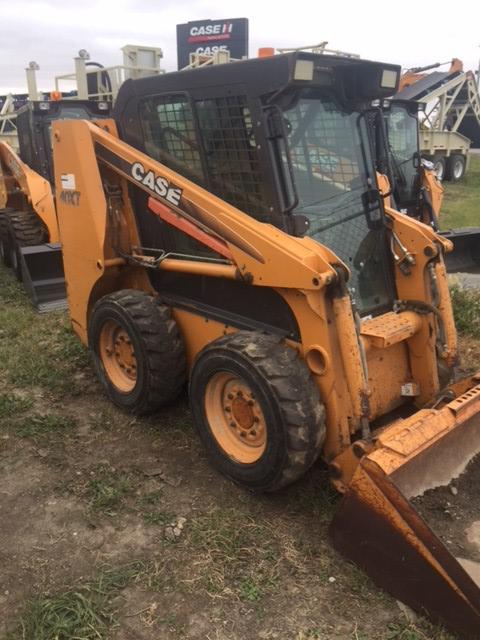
(416, 188)
(29, 239)
(226, 229)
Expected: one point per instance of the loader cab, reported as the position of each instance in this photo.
(284, 139)
(34, 123)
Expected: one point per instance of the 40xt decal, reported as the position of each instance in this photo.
(156, 184)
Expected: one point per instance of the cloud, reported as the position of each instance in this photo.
(52, 31)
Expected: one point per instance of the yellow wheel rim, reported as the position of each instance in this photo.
(118, 356)
(235, 417)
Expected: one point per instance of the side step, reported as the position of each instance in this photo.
(43, 277)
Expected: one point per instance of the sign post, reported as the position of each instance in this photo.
(208, 36)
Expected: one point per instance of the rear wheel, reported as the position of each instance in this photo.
(23, 229)
(257, 410)
(455, 168)
(137, 350)
(439, 166)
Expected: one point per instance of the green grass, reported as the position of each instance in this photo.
(40, 426)
(107, 489)
(250, 590)
(152, 512)
(466, 309)
(461, 203)
(36, 350)
(421, 630)
(318, 498)
(12, 405)
(237, 554)
(158, 517)
(84, 612)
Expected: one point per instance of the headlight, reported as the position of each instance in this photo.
(389, 79)
(303, 70)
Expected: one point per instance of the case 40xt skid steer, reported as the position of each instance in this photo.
(29, 237)
(226, 228)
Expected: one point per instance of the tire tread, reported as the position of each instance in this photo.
(290, 381)
(162, 344)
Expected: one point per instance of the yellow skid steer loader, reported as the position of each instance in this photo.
(29, 239)
(226, 228)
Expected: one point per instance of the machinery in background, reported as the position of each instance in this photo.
(90, 81)
(29, 236)
(233, 234)
(416, 189)
(452, 115)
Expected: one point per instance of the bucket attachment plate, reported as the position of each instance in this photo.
(380, 530)
(43, 277)
(465, 256)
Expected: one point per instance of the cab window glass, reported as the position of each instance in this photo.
(169, 134)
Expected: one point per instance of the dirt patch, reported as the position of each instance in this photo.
(469, 350)
(453, 512)
(88, 491)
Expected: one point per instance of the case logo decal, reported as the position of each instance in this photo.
(156, 184)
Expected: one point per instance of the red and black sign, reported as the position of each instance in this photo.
(207, 36)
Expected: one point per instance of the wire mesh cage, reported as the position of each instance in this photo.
(231, 154)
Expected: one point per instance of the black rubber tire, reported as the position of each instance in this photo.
(440, 167)
(4, 237)
(158, 345)
(24, 229)
(289, 398)
(455, 169)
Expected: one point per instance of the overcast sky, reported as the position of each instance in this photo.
(410, 33)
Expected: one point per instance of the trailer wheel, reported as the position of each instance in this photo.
(137, 351)
(439, 167)
(24, 229)
(257, 410)
(455, 168)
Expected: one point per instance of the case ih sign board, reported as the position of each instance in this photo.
(207, 36)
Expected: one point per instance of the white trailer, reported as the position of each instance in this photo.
(452, 116)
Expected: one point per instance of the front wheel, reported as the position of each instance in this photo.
(257, 410)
